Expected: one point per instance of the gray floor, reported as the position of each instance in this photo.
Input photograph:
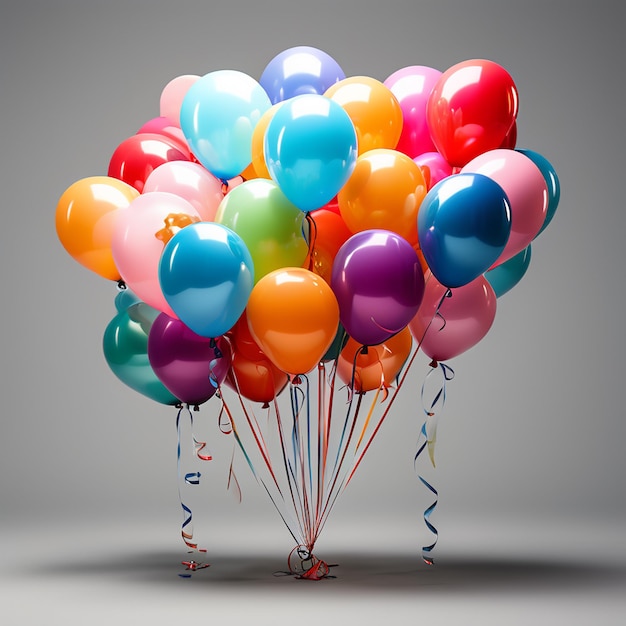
(101, 573)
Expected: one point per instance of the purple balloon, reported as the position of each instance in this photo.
(187, 364)
(379, 285)
(299, 70)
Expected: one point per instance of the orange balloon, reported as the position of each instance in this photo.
(373, 109)
(385, 191)
(258, 141)
(378, 366)
(293, 315)
(85, 219)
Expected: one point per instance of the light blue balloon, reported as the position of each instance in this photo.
(506, 275)
(552, 182)
(206, 274)
(463, 225)
(310, 149)
(218, 115)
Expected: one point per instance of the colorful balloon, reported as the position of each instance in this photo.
(310, 150)
(269, 224)
(191, 367)
(173, 94)
(125, 347)
(449, 326)
(377, 366)
(552, 182)
(252, 374)
(218, 115)
(328, 233)
(471, 109)
(190, 181)
(525, 188)
(385, 191)
(140, 234)
(378, 282)
(412, 86)
(293, 316)
(139, 155)
(434, 167)
(463, 225)
(258, 143)
(206, 274)
(373, 109)
(85, 221)
(165, 127)
(299, 70)
(505, 276)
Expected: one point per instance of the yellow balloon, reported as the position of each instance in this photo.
(258, 139)
(373, 109)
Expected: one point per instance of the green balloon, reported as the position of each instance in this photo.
(125, 346)
(271, 226)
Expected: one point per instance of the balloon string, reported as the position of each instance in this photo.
(427, 440)
(308, 262)
(401, 380)
(189, 478)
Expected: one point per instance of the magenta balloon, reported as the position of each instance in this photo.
(186, 363)
(378, 282)
(412, 86)
(434, 167)
(463, 320)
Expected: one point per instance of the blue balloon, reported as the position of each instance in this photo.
(463, 225)
(505, 276)
(206, 274)
(552, 181)
(218, 115)
(310, 150)
(298, 71)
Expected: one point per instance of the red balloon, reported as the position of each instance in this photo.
(328, 233)
(471, 110)
(139, 155)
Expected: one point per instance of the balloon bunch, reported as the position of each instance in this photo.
(281, 235)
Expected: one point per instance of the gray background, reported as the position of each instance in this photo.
(530, 455)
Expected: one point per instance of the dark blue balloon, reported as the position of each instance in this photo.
(298, 71)
(552, 181)
(505, 276)
(206, 274)
(463, 225)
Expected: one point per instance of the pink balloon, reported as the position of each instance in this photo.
(172, 96)
(434, 167)
(463, 319)
(140, 233)
(163, 126)
(526, 189)
(190, 181)
(412, 86)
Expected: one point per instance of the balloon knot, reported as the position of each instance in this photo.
(434, 364)
(121, 285)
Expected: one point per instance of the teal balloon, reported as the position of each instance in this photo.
(310, 149)
(124, 299)
(125, 347)
(218, 115)
(463, 225)
(206, 274)
(552, 182)
(506, 275)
